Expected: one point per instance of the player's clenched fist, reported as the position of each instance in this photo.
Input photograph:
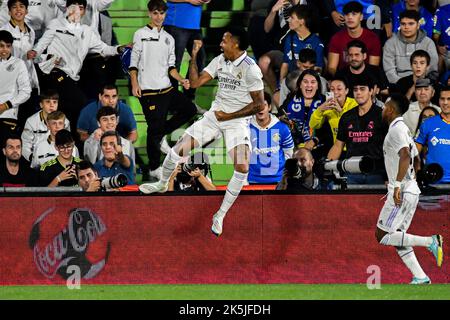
(198, 44)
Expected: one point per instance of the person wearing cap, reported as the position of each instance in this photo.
(420, 65)
(424, 92)
(362, 131)
(399, 48)
(337, 52)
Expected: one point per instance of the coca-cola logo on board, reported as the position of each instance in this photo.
(78, 239)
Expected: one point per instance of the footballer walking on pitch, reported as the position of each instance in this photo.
(397, 213)
(240, 95)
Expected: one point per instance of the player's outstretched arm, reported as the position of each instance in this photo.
(252, 108)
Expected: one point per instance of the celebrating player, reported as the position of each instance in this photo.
(240, 95)
(399, 208)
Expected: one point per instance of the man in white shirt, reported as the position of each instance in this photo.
(424, 93)
(239, 95)
(15, 85)
(68, 41)
(403, 196)
(152, 62)
(24, 37)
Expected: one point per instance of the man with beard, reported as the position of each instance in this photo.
(337, 53)
(15, 171)
(357, 54)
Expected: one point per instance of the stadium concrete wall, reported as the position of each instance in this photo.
(268, 238)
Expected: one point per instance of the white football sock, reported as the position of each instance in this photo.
(233, 189)
(170, 163)
(403, 239)
(409, 259)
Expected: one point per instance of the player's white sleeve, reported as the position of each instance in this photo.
(254, 79)
(212, 67)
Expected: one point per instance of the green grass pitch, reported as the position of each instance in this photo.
(230, 292)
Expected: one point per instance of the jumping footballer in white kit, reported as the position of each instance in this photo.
(403, 196)
(240, 95)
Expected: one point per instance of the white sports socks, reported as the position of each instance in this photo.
(409, 259)
(234, 187)
(169, 164)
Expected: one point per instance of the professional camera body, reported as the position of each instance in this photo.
(198, 160)
(294, 170)
(114, 182)
(429, 174)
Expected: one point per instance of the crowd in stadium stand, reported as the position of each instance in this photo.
(328, 66)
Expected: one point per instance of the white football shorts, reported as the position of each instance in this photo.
(235, 132)
(393, 218)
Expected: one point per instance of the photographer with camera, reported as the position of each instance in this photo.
(87, 176)
(89, 181)
(298, 173)
(192, 175)
(60, 171)
(114, 160)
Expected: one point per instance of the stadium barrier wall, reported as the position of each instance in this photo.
(268, 238)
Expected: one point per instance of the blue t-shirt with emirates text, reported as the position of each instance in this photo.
(267, 157)
(435, 134)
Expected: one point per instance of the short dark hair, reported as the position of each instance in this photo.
(343, 79)
(357, 44)
(11, 136)
(240, 35)
(420, 53)
(79, 2)
(108, 86)
(159, 5)
(49, 94)
(410, 14)
(307, 55)
(62, 137)
(110, 133)
(362, 80)
(267, 98)
(13, 2)
(353, 6)
(401, 103)
(106, 111)
(445, 88)
(303, 12)
(6, 37)
(83, 165)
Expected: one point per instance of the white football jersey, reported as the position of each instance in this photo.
(399, 137)
(236, 80)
